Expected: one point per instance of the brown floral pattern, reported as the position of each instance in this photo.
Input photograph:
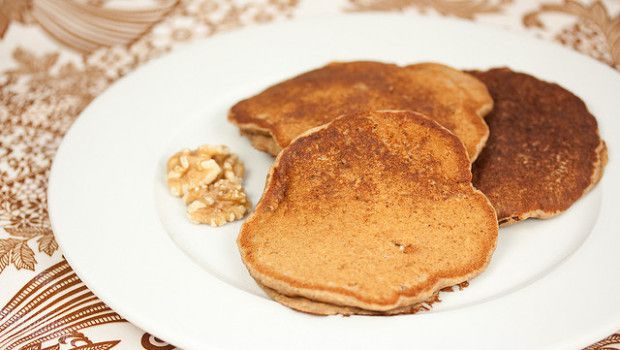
(43, 92)
(467, 9)
(57, 19)
(41, 98)
(594, 32)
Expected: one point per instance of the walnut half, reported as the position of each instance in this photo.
(223, 202)
(210, 180)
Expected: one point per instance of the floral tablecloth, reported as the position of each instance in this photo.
(57, 55)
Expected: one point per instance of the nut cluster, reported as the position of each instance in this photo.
(209, 179)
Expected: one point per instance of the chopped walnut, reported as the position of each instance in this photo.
(209, 180)
(224, 201)
(189, 170)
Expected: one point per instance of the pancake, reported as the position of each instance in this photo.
(273, 118)
(544, 151)
(373, 210)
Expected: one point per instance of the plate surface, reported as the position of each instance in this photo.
(551, 284)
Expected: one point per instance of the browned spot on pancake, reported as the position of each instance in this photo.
(544, 151)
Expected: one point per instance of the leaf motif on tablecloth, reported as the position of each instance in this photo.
(595, 32)
(23, 257)
(45, 238)
(6, 251)
(467, 9)
(47, 243)
(28, 63)
(17, 252)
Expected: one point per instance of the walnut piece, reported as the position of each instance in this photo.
(224, 201)
(210, 181)
(189, 170)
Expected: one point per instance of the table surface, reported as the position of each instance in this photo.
(51, 68)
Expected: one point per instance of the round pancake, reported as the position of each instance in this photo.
(544, 151)
(458, 101)
(374, 211)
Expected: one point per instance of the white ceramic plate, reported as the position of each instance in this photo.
(551, 284)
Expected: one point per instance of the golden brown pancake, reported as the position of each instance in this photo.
(544, 151)
(273, 118)
(373, 210)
